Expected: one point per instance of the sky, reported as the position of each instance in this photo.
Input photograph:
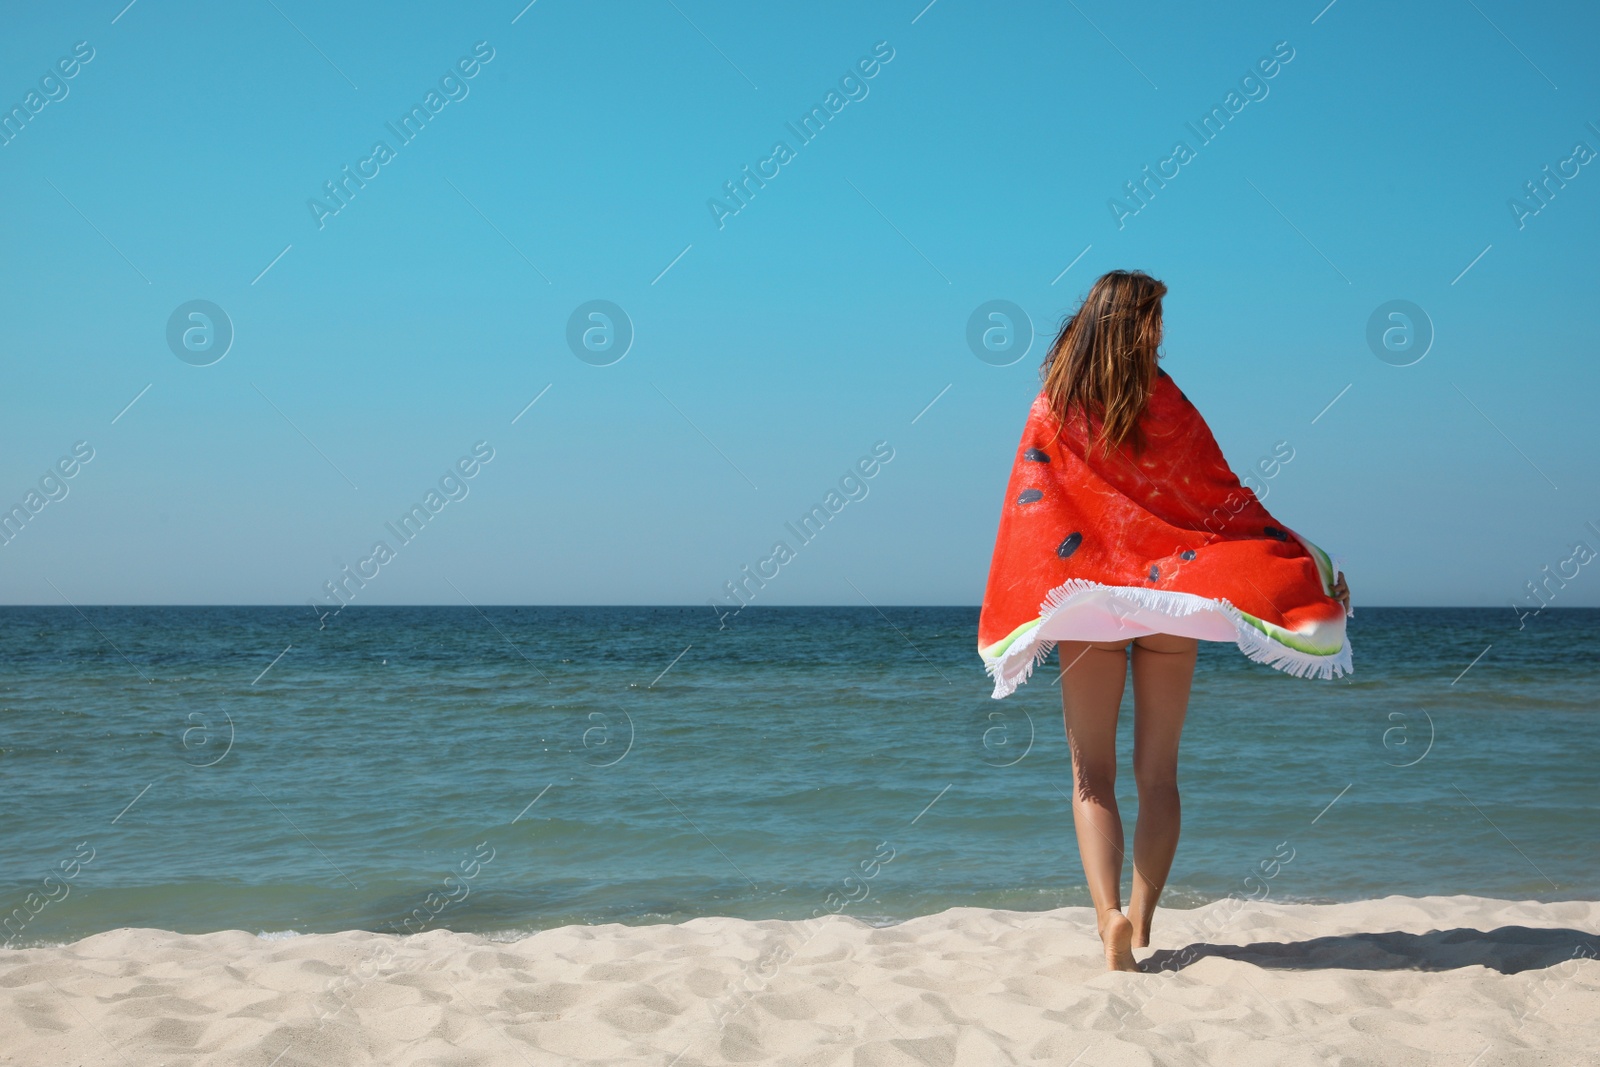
(358, 348)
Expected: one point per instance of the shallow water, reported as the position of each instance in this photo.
(519, 768)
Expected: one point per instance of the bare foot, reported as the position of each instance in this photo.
(1116, 933)
(1141, 935)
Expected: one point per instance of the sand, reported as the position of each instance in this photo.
(1437, 980)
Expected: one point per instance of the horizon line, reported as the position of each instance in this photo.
(701, 606)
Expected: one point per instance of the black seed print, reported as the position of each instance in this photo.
(1070, 545)
(1155, 572)
(1033, 455)
(1029, 496)
(1275, 533)
(1187, 553)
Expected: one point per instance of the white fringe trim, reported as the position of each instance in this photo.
(1013, 667)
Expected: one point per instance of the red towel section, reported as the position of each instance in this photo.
(1164, 541)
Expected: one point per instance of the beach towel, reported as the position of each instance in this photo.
(1167, 540)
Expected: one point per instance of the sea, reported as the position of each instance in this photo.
(508, 769)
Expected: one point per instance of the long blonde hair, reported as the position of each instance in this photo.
(1102, 365)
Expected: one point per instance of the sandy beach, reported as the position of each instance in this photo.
(1432, 980)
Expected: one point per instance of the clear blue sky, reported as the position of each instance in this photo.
(177, 163)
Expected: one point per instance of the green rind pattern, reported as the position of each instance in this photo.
(998, 649)
(1288, 638)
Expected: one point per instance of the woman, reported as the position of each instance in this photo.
(1126, 538)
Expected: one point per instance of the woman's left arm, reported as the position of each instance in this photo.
(1341, 592)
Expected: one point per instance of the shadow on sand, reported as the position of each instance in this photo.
(1509, 950)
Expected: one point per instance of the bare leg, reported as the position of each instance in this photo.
(1163, 668)
(1092, 680)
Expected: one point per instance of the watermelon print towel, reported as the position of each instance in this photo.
(1113, 547)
